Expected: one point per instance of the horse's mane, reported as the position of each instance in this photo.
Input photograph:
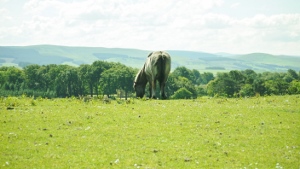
(141, 78)
(150, 54)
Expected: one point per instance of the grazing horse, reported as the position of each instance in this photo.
(156, 67)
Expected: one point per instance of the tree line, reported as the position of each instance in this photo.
(65, 81)
(249, 83)
(115, 79)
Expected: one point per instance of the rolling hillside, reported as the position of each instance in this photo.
(269, 60)
(50, 54)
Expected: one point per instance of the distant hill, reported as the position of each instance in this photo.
(271, 60)
(50, 54)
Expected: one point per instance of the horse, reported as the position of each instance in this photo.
(156, 67)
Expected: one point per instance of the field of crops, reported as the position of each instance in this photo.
(259, 132)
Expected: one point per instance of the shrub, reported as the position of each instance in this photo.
(247, 91)
(182, 93)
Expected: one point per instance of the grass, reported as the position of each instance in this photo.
(262, 132)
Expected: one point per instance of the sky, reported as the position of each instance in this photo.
(230, 26)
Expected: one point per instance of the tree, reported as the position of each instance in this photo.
(271, 87)
(223, 85)
(184, 72)
(206, 77)
(126, 76)
(201, 90)
(3, 77)
(53, 71)
(45, 81)
(32, 77)
(182, 93)
(288, 78)
(212, 88)
(238, 80)
(197, 77)
(249, 75)
(293, 74)
(183, 82)
(258, 85)
(247, 90)
(84, 79)
(67, 81)
(171, 85)
(183, 77)
(294, 87)
(116, 78)
(94, 74)
(15, 78)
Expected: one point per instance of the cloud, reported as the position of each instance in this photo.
(283, 27)
(260, 33)
(3, 11)
(156, 24)
(281, 20)
(235, 5)
(217, 21)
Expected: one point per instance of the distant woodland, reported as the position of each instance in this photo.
(116, 80)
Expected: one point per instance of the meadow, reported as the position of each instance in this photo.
(258, 132)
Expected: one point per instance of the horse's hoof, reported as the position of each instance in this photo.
(163, 97)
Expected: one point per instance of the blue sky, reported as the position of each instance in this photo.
(232, 26)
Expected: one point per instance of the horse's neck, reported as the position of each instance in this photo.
(142, 78)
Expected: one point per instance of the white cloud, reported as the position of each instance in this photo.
(3, 11)
(217, 21)
(283, 28)
(235, 5)
(155, 24)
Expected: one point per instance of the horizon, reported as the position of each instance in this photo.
(216, 26)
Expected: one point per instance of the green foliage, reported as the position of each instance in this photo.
(247, 91)
(293, 74)
(175, 83)
(50, 81)
(119, 77)
(201, 90)
(247, 83)
(294, 87)
(223, 85)
(206, 77)
(182, 93)
(184, 72)
(257, 132)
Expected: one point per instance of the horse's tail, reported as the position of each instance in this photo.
(162, 61)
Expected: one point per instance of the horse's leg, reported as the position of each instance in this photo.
(150, 89)
(162, 89)
(153, 89)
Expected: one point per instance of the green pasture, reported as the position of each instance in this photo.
(259, 132)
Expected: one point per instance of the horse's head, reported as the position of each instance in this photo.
(139, 89)
(140, 82)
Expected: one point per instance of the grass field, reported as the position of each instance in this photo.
(260, 132)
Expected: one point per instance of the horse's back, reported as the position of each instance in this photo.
(159, 64)
(158, 56)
